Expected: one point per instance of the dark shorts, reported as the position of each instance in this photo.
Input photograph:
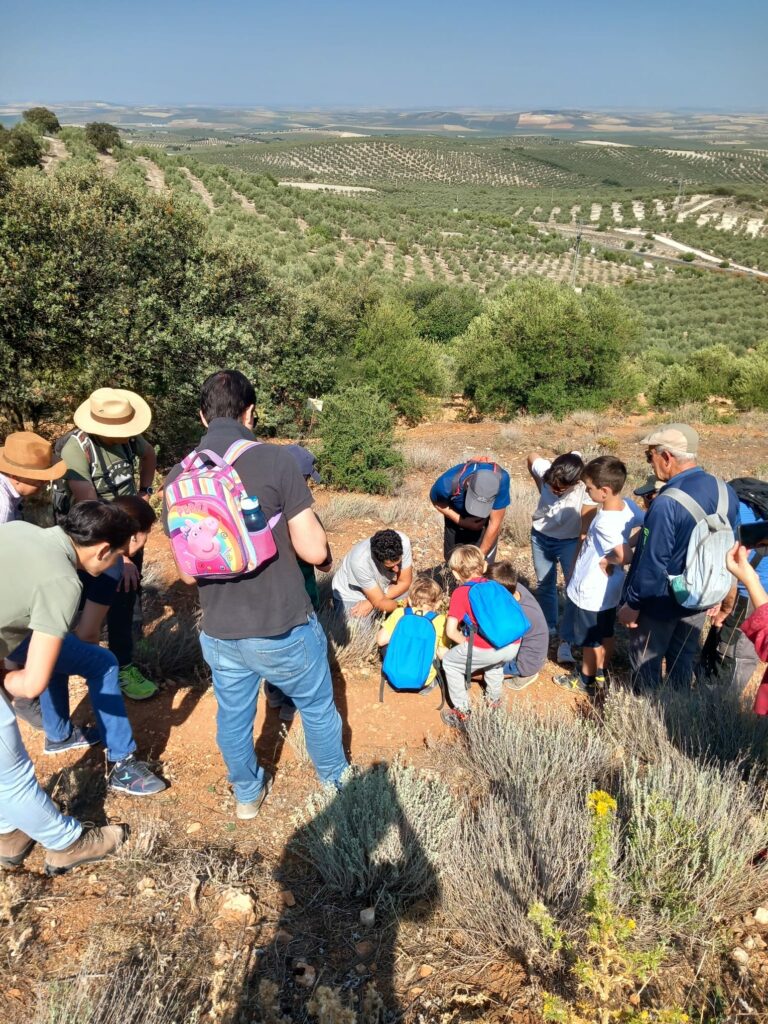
(587, 629)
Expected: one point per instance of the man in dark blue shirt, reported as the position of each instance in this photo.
(662, 629)
(473, 497)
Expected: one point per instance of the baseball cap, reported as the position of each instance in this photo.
(648, 486)
(677, 436)
(482, 488)
(306, 461)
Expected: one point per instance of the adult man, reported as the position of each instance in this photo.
(25, 469)
(39, 596)
(472, 497)
(100, 457)
(662, 629)
(261, 624)
(373, 575)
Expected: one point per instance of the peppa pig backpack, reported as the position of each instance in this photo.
(208, 533)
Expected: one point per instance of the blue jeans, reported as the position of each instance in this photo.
(547, 552)
(23, 804)
(99, 668)
(297, 664)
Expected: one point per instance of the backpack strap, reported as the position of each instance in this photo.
(722, 499)
(456, 485)
(689, 504)
(238, 448)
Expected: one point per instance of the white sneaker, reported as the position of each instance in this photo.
(564, 655)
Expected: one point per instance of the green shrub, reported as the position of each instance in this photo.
(543, 348)
(42, 119)
(21, 146)
(442, 311)
(383, 837)
(357, 432)
(102, 136)
(750, 389)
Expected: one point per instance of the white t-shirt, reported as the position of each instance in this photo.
(558, 516)
(358, 571)
(589, 588)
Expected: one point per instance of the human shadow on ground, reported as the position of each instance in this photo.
(357, 851)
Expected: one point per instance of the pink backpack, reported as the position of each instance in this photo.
(206, 526)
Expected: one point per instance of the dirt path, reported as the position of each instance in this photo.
(57, 153)
(247, 204)
(198, 188)
(107, 163)
(153, 175)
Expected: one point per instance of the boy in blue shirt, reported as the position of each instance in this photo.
(472, 497)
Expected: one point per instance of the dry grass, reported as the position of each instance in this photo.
(516, 527)
(423, 457)
(172, 650)
(346, 507)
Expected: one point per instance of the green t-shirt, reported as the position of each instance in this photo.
(118, 461)
(39, 588)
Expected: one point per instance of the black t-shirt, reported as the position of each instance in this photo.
(272, 600)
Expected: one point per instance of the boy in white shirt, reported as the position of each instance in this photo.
(594, 589)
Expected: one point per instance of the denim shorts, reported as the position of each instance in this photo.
(587, 629)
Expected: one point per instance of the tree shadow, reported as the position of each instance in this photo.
(364, 853)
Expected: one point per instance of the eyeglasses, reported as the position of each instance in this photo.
(649, 454)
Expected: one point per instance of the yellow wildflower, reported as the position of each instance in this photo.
(600, 803)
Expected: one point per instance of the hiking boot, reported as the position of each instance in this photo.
(14, 847)
(78, 739)
(455, 719)
(93, 844)
(518, 683)
(573, 681)
(134, 777)
(28, 710)
(250, 809)
(134, 685)
(564, 654)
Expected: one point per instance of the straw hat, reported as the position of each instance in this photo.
(28, 456)
(113, 412)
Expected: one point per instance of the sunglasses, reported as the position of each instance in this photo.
(649, 455)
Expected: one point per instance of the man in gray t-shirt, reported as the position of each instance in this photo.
(374, 575)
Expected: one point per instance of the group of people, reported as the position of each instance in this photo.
(60, 585)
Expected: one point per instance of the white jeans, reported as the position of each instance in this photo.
(23, 804)
(490, 659)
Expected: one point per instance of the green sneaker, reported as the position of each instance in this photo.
(134, 685)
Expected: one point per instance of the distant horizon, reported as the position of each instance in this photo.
(405, 55)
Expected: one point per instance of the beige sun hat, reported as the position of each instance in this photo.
(113, 412)
(28, 456)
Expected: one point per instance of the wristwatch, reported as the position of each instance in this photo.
(147, 490)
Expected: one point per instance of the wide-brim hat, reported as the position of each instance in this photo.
(113, 412)
(28, 456)
(677, 436)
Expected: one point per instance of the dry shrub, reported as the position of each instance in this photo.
(585, 419)
(351, 641)
(403, 511)
(526, 838)
(516, 527)
(172, 650)
(382, 837)
(513, 433)
(423, 457)
(347, 507)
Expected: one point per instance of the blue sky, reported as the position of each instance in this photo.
(423, 53)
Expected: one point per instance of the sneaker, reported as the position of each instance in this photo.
(564, 654)
(250, 809)
(134, 685)
(93, 844)
(601, 682)
(572, 681)
(28, 710)
(518, 683)
(455, 719)
(78, 739)
(134, 777)
(14, 847)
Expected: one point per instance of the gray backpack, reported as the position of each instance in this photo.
(704, 581)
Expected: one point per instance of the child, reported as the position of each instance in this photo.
(468, 565)
(534, 645)
(425, 595)
(594, 589)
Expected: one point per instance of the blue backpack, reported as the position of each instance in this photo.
(499, 617)
(410, 653)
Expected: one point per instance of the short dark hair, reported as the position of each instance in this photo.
(504, 573)
(565, 470)
(137, 509)
(606, 471)
(226, 394)
(386, 545)
(99, 522)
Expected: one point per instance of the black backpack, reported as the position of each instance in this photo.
(752, 492)
(101, 474)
